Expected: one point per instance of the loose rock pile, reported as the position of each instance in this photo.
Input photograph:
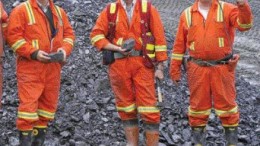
(87, 116)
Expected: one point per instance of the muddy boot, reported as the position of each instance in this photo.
(152, 138)
(131, 132)
(25, 138)
(132, 135)
(151, 134)
(198, 136)
(38, 136)
(231, 136)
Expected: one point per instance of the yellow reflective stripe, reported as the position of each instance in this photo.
(58, 11)
(221, 42)
(40, 126)
(127, 109)
(145, 109)
(97, 38)
(30, 13)
(151, 55)
(150, 47)
(192, 46)
(27, 115)
(46, 114)
(232, 125)
(188, 16)
(140, 39)
(35, 44)
(177, 56)
(4, 25)
(69, 40)
(112, 8)
(144, 6)
(149, 33)
(245, 26)
(198, 113)
(232, 111)
(18, 44)
(220, 15)
(160, 48)
(119, 41)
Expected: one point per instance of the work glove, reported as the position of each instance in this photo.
(175, 72)
(232, 63)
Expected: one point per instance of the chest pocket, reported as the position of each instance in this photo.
(219, 24)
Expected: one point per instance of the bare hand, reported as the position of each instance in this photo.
(241, 2)
(43, 56)
(122, 51)
(159, 74)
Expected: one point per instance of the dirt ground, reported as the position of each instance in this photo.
(246, 43)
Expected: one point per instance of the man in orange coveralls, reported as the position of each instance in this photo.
(206, 31)
(132, 82)
(38, 29)
(3, 25)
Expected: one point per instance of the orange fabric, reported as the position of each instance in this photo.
(3, 19)
(126, 31)
(202, 41)
(133, 83)
(207, 84)
(38, 83)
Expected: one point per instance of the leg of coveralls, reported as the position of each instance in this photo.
(30, 89)
(224, 92)
(47, 102)
(200, 101)
(146, 101)
(121, 82)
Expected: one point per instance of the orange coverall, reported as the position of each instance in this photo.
(210, 40)
(132, 83)
(38, 83)
(3, 19)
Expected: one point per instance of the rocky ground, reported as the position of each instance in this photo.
(87, 115)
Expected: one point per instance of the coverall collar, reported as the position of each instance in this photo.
(195, 6)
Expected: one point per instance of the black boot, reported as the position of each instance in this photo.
(231, 136)
(25, 138)
(198, 136)
(38, 136)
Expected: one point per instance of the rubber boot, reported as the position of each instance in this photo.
(38, 136)
(231, 136)
(152, 138)
(132, 135)
(198, 136)
(25, 138)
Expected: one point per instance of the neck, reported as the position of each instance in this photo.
(128, 2)
(43, 2)
(205, 3)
